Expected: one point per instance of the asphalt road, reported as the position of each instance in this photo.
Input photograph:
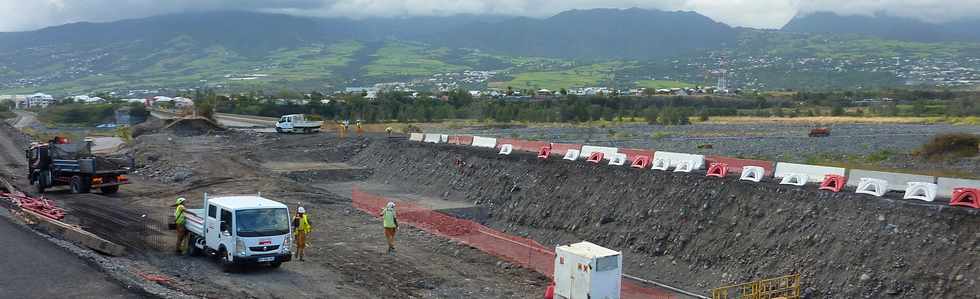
(32, 267)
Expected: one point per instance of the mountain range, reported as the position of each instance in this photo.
(886, 26)
(615, 47)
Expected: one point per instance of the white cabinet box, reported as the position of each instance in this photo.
(587, 271)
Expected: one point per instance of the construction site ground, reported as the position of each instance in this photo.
(346, 257)
(685, 230)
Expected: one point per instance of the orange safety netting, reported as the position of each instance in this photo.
(520, 251)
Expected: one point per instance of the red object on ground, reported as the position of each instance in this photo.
(641, 162)
(460, 139)
(833, 182)
(966, 197)
(632, 153)
(41, 206)
(561, 149)
(549, 293)
(517, 250)
(819, 132)
(596, 157)
(544, 152)
(718, 170)
(735, 165)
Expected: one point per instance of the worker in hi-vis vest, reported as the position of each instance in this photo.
(391, 225)
(302, 228)
(179, 219)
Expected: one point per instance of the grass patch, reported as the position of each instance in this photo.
(824, 120)
(660, 84)
(951, 146)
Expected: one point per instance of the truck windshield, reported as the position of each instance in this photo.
(262, 222)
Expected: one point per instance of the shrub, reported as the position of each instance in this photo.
(952, 145)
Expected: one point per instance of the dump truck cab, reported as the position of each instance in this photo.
(240, 229)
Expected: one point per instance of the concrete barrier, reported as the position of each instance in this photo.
(433, 138)
(675, 158)
(484, 142)
(506, 149)
(607, 152)
(876, 187)
(921, 191)
(735, 165)
(571, 154)
(617, 159)
(946, 186)
(561, 149)
(896, 181)
(814, 173)
(416, 137)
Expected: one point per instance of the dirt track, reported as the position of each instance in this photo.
(346, 258)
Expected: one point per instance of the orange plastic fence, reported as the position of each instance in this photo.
(520, 251)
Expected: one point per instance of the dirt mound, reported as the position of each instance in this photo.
(700, 233)
(150, 126)
(192, 127)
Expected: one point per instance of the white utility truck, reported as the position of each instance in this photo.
(297, 123)
(585, 270)
(240, 229)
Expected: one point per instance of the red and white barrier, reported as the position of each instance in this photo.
(433, 138)
(795, 179)
(416, 137)
(588, 150)
(617, 159)
(675, 159)
(571, 154)
(737, 165)
(752, 173)
(506, 149)
(814, 173)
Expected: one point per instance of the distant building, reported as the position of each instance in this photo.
(35, 100)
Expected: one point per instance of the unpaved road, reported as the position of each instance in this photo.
(346, 257)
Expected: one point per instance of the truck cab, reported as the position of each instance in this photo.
(297, 123)
(240, 230)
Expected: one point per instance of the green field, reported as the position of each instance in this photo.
(658, 84)
(583, 76)
(399, 59)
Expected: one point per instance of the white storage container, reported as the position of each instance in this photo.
(587, 271)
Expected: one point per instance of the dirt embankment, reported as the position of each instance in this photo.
(700, 233)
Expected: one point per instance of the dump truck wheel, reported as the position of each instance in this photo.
(110, 189)
(79, 185)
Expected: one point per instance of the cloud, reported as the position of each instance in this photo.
(33, 14)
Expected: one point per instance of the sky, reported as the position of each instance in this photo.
(21, 15)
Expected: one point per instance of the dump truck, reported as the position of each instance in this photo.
(240, 230)
(297, 123)
(61, 162)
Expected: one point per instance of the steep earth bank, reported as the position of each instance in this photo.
(700, 233)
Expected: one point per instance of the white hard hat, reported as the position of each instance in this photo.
(180, 200)
(301, 210)
(391, 204)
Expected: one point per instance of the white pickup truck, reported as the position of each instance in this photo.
(297, 123)
(240, 229)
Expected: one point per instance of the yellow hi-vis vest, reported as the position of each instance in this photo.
(304, 225)
(179, 214)
(389, 217)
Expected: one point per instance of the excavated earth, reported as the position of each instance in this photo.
(346, 257)
(698, 233)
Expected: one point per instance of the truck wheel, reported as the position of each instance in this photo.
(192, 249)
(278, 130)
(79, 185)
(110, 189)
(226, 260)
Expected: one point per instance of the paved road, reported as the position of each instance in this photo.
(32, 267)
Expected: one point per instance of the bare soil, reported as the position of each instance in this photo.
(698, 233)
(346, 257)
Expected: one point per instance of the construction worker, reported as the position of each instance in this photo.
(360, 130)
(179, 220)
(390, 224)
(388, 131)
(302, 227)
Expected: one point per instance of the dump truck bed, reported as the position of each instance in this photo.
(195, 221)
